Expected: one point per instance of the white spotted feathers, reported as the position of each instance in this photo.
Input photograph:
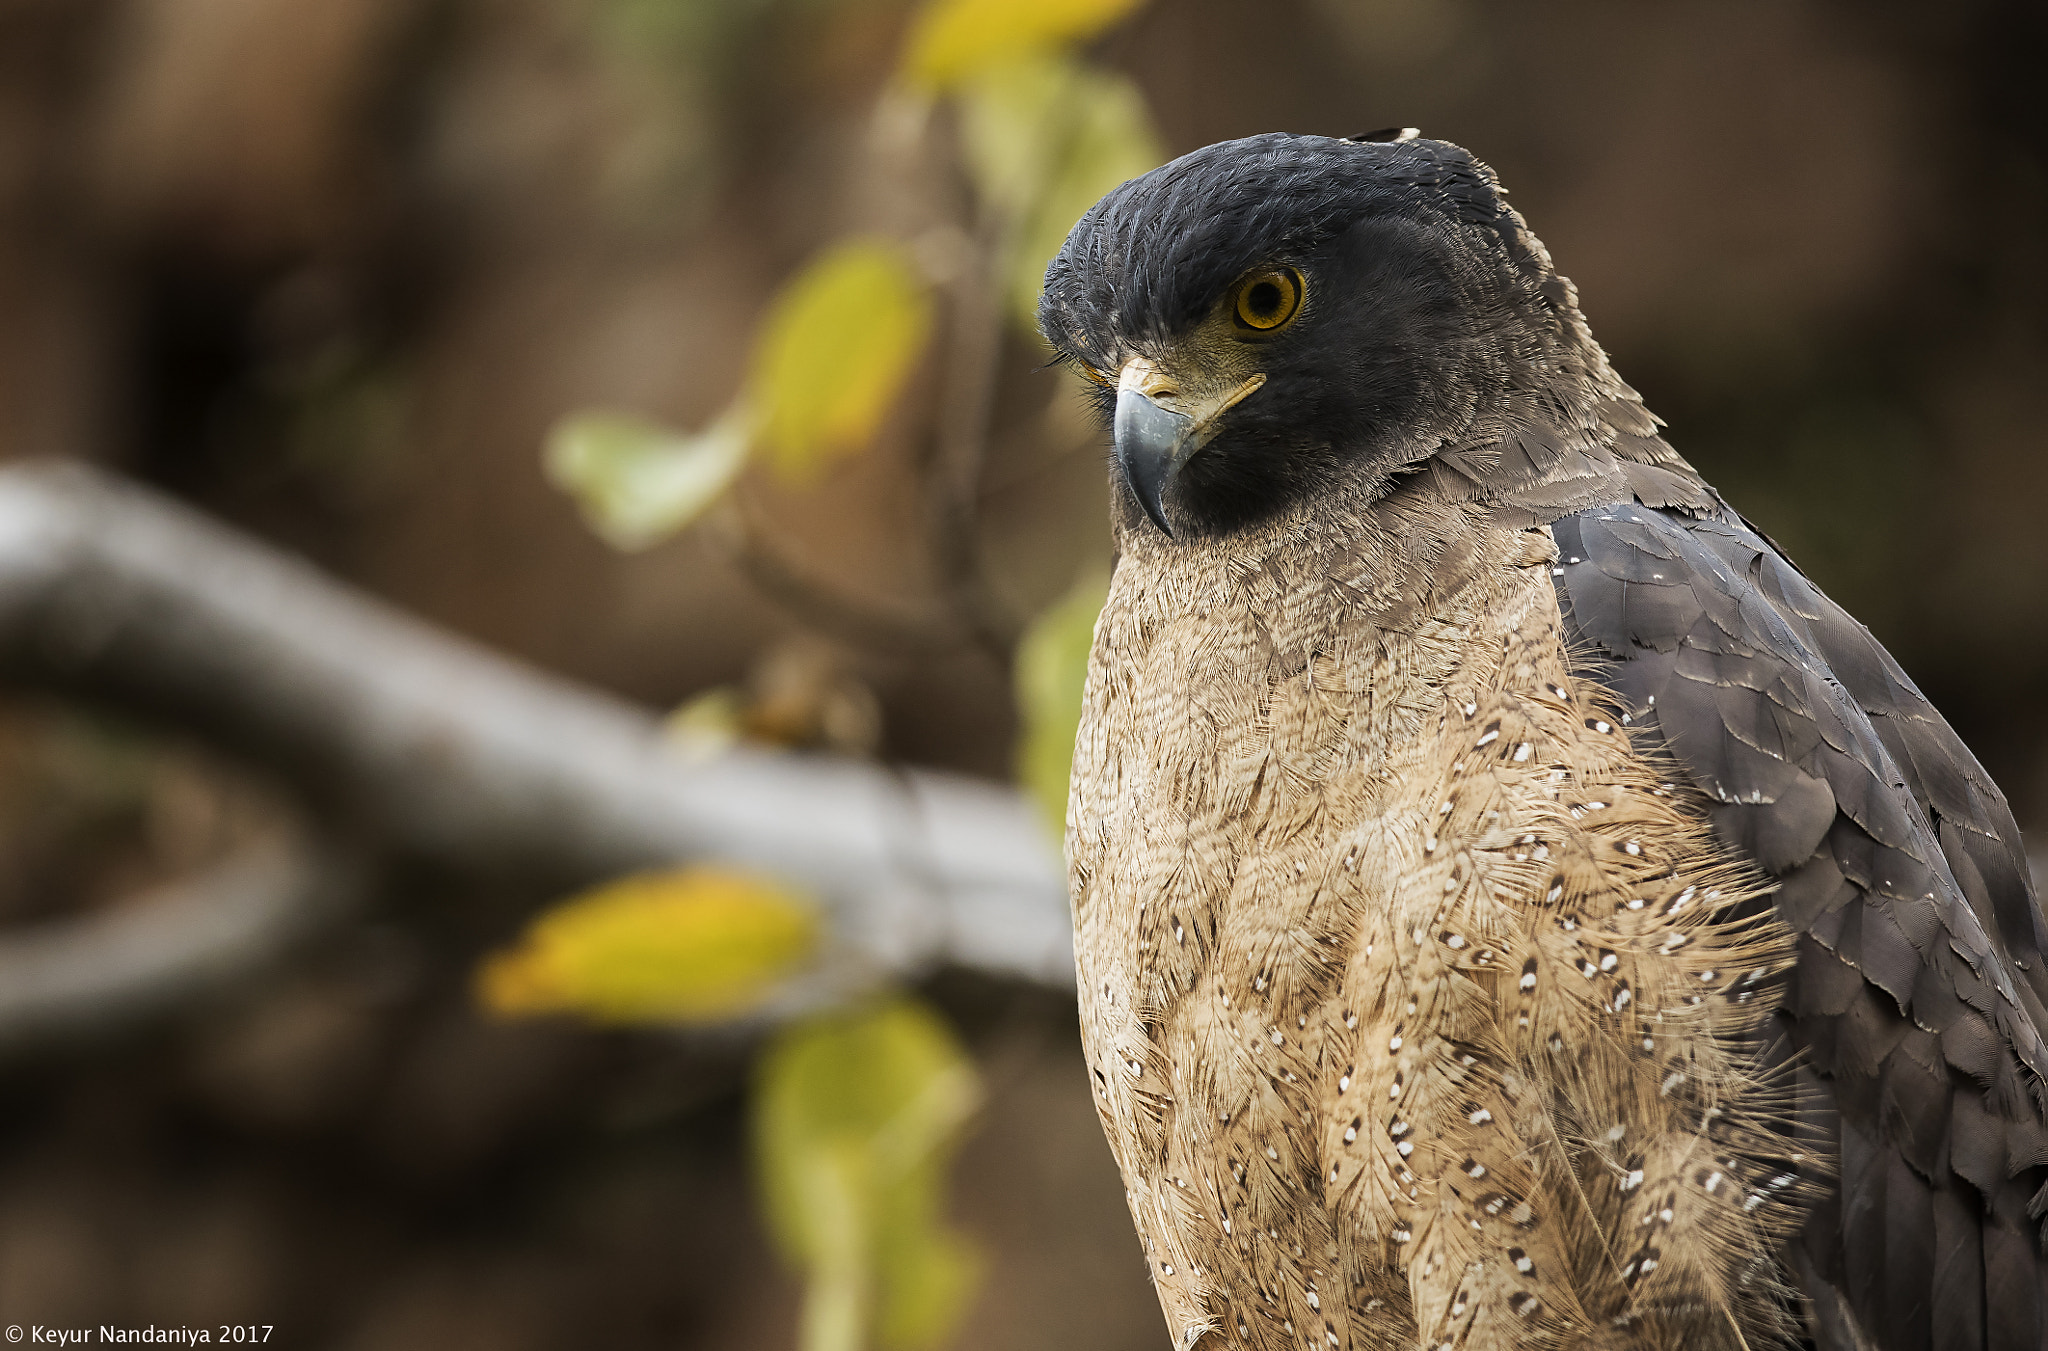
(1415, 1008)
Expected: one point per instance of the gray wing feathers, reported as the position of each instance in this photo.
(1921, 990)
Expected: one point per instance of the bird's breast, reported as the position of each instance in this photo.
(1248, 783)
(1337, 870)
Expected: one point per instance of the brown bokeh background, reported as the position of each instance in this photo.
(330, 270)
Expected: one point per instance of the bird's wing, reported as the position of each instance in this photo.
(1920, 991)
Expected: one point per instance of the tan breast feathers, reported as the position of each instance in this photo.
(1408, 1010)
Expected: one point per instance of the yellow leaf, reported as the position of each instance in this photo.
(954, 40)
(856, 1117)
(639, 482)
(841, 340)
(1045, 138)
(1052, 673)
(696, 945)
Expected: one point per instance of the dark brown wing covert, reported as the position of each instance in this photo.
(1921, 991)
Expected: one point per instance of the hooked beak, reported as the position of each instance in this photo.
(1158, 430)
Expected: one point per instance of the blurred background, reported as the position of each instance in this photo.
(335, 275)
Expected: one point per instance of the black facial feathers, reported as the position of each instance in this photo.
(1427, 299)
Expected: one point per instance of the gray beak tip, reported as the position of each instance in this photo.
(1151, 444)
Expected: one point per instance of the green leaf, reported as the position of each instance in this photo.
(953, 40)
(842, 338)
(1044, 139)
(1052, 673)
(696, 945)
(639, 482)
(856, 1117)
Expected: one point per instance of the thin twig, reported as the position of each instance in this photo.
(968, 399)
(891, 629)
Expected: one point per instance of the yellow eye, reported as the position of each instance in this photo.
(1267, 300)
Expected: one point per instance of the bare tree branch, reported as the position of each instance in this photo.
(160, 950)
(113, 592)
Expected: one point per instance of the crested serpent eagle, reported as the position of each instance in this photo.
(1513, 906)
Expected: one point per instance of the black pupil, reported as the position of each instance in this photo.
(1264, 299)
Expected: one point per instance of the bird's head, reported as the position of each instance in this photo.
(1266, 317)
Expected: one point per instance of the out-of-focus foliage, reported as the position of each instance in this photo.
(707, 722)
(835, 351)
(693, 946)
(639, 482)
(956, 39)
(856, 1116)
(1045, 137)
(1052, 669)
(856, 1113)
(800, 694)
